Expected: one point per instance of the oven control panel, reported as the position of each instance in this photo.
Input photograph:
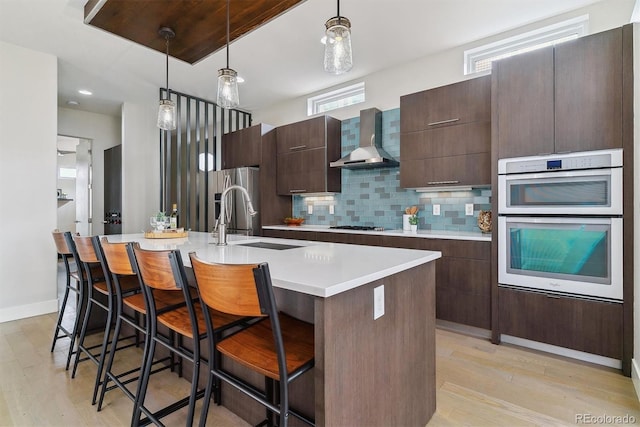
(557, 162)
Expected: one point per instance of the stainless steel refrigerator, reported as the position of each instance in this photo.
(238, 221)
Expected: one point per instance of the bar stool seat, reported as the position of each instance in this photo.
(254, 346)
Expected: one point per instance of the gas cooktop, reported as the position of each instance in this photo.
(357, 227)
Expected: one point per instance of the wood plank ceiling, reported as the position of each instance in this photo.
(200, 25)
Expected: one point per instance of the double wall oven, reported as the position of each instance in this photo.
(560, 223)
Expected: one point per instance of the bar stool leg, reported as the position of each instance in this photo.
(63, 306)
(149, 350)
(76, 322)
(103, 351)
(112, 353)
(85, 324)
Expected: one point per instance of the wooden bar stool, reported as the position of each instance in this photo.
(96, 284)
(115, 259)
(66, 254)
(158, 271)
(279, 347)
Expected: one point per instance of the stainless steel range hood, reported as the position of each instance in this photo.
(370, 153)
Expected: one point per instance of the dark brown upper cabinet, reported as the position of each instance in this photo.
(304, 151)
(561, 99)
(256, 146)
(454, 104)
(243, 147)
(524, 100)
(445, 135)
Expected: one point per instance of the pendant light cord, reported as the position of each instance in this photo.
(339, 21)
(167, 64)
(228, 1)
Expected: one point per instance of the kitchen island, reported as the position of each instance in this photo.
(368, 372)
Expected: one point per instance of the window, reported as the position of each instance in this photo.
(343, 97)
(67, 173)
(478, 60)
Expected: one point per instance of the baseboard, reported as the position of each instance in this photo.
(463, 329)
(28, 310)
(635, 376)
(562, 351)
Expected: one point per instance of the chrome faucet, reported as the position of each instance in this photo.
(222, 219)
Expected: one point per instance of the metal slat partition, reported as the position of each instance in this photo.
(189, 153)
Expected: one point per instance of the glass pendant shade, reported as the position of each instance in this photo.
(228, 88)
(337, 49)
(167, 114)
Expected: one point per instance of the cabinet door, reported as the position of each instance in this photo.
(469, 169)
(458, 103)
(463, 291)
(591, 326)
(242, 148)
(524, 91)
(302, 172)
(469, 138)
(302, 135)
(588, 84)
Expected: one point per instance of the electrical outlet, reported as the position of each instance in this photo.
(309, 209)
(468, 209)
(378, 302)
(436, 209)
(332, 210)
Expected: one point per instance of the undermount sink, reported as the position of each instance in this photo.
(269, 245)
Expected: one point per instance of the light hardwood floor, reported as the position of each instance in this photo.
(478, 384)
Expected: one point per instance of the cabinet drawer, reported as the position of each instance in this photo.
(458, 103)
(303, 135)
(590, 326)
(470, 169)
(458, 140)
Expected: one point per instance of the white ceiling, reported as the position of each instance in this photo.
(281, 60)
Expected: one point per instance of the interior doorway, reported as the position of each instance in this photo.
(74, 178)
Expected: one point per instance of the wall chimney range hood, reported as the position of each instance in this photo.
(370, 153)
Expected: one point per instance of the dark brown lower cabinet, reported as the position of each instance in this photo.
(463, 292)
(579, 324)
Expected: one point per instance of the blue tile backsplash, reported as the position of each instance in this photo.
(373, 197)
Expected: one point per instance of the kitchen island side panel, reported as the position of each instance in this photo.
(377, 372)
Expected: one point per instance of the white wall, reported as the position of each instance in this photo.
(384, 88)
(104, 132)
(140, 165)
(28, 119)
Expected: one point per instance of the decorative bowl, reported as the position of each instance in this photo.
(293, 221)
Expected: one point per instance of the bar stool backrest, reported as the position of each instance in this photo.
(116, 257)
(228, 288)
(61, 243)
(153, 267)
(86, 251)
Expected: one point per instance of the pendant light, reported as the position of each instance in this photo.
(227, 80)
(338, 58)
(167, 108)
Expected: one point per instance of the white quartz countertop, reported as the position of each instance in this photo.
(315, 268)
(425, 234)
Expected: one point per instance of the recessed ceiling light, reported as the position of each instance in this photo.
(73, 103)
(85, 92)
